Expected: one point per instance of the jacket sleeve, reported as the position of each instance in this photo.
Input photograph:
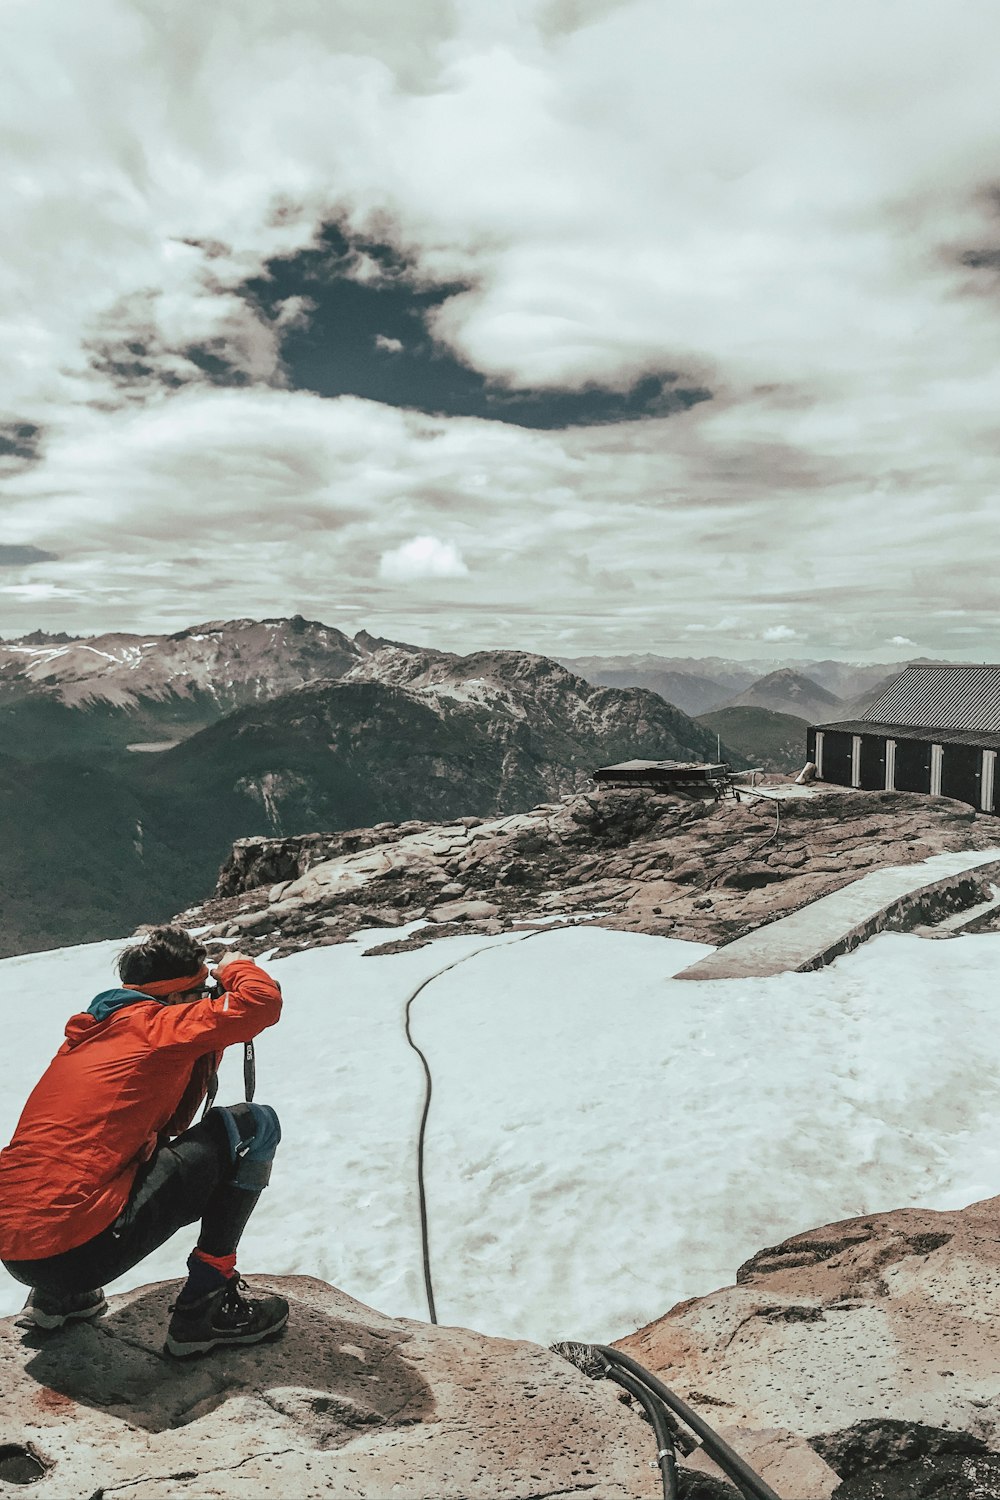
(251, 1001)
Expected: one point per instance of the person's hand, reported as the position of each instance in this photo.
(231, 958)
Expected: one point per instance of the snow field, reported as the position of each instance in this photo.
(604, 1140)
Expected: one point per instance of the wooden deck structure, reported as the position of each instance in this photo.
(686, 777)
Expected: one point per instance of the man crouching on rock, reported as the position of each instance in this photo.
(103, 1168)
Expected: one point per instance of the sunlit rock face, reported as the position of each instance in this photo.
(873, 1338)
(346, 1402)
(635, 860)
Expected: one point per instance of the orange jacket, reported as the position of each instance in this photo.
(112, 1091)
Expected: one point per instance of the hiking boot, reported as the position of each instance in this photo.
(49, 1311)
(224, 1317)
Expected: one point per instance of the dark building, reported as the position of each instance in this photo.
(934, 729)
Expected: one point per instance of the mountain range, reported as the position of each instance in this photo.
(270, 727)
(699, 685)
(129, 763)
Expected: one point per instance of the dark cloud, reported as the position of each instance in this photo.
(984, 255)
(211, 249)
(20, 557)
(131, 352)
(365, 334)
(20, 445)
(560, 17)
(213, 360)
(981, 260)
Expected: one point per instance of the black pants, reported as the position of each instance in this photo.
(189, 1179)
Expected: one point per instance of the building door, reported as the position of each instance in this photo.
(871, 763)
(838, 756)
(961, 773)
(913, 766)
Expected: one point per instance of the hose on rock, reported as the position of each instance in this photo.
(653, 1407)
(736, 1469)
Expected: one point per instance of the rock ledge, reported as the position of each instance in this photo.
(347, 1402)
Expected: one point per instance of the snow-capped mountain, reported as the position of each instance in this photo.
(109, 691)
(228, 661)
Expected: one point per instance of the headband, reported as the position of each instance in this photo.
(171, 986)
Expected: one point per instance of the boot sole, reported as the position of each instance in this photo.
(185, 1349)
(51, 1321)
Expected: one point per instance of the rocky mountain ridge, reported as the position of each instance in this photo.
(408, 735)
(228, 661)
(99, 695)
(213, 667)
(633, 860)
(81, 697)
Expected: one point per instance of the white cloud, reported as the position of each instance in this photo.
(388, 345)
(728, 626)
(422, 557)
(662, 186)
(901, 640)
(779, 633)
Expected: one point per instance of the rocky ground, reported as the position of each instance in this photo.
(872, 1340)
(634, 859)
(346, 1403)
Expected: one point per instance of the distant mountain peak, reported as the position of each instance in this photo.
(46, 638)
(787, 691)
(369, 644)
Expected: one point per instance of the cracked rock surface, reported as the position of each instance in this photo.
(874, 1339)
(347, 1403)
(636, 860)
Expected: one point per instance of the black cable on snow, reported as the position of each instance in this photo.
(421, 1134)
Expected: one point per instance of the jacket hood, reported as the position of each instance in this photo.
(100, 1008)
(108, 1001)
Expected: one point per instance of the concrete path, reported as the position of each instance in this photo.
(899, 896)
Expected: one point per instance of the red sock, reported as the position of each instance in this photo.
(224, 1264)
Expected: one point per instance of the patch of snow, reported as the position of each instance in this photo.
(577, 1086)
(106, 654)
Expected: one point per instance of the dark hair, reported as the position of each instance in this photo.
(164, 953)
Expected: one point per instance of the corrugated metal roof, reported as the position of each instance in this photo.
(982, 739)
(941, 697)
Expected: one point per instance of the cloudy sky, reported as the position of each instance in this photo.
(586, 326)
